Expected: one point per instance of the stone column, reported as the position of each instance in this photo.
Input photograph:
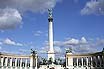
(6, 61)
(2, 61)
(82, 62)
(21, 62)
(77, 62)
(26, 62)
(33, 61)
(96, 58)
(11, 59)
(70, 62)
(66, 61)
(50, 32)
(101, 60)
(36, 59)
(87, 61)
(91, 61)
(16, 62)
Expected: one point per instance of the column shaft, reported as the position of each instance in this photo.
(21, 62)
(26, 62)
(77, 62)
(11, 62)
(87, 61)
(2, 61)
(16, 62)
(96, 60)
(36, 61)
(66, 61)
(82, 61)
(91, 61)
(6, 61)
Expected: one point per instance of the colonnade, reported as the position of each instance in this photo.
(14, 62)
(85, 61)
(7, 60)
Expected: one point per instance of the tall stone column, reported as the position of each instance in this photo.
(50, 36)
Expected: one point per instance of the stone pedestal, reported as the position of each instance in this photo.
(33, 61)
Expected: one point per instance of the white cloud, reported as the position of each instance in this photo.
(94, 7)
(9, 10)
(81, 45)
(44, 49)
(38, 33)
(0, 43)
(30, 5)
(69, 42)
(87, 48)
(57, 49)
(58, 43)
(8, 41)
(24, 51)
(72, 42)
(9, 18)
(83, 40)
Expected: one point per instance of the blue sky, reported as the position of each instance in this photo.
(77, 24)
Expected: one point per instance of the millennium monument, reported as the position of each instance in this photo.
(51, 54)
(72, 61)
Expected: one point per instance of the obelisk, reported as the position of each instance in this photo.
(51, 54)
